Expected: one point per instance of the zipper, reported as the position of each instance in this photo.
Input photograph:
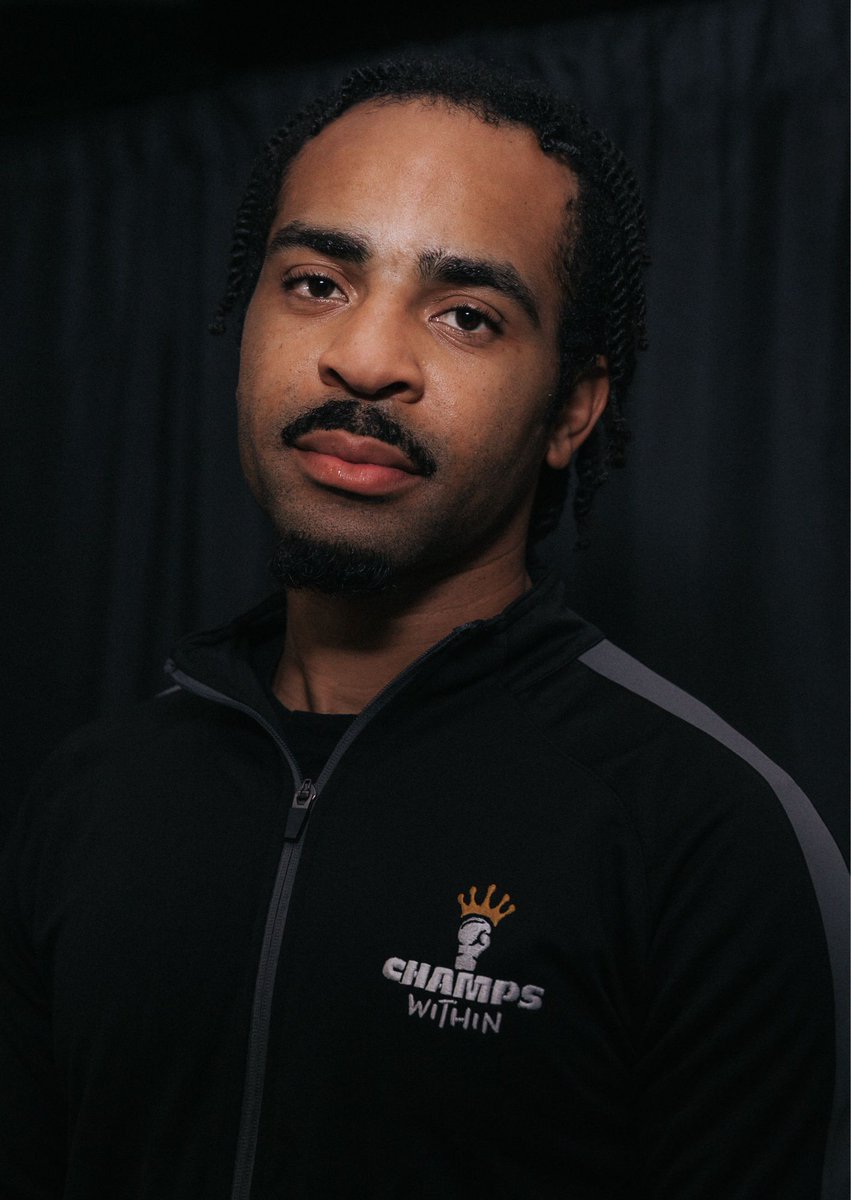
(305, 796)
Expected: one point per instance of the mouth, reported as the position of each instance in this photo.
(349, 462)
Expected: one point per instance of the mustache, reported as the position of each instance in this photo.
(363, 420)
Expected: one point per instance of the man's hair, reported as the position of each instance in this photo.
(601, 259)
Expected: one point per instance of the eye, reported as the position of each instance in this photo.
(467, 319)
(312, 285)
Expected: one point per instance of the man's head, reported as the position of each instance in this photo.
(440, 260)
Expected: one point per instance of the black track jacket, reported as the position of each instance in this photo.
(543, 927)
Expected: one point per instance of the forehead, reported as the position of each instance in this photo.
(414, 174)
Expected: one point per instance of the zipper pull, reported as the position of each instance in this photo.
(304, 796)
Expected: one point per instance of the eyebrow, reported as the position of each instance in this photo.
(437, 266)
(347, 247)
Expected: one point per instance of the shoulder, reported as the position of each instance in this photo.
(131, 766)
(706, 804)
(726, 835)
(648, 723)
(129, 737)
(646, 736)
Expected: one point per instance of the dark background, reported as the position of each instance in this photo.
(78, 54)
(718, 556)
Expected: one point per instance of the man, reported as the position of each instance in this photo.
(412, 885)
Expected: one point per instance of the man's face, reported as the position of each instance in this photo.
(400, 350)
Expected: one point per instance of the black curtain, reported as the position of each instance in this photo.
(717, 556)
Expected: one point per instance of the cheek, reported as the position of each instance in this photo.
(253, 359)
(496, 418)
(272, 366)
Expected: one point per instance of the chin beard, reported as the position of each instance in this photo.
(334, 568)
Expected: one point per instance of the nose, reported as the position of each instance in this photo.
(371, 353)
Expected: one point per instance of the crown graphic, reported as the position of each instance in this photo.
(483, 908)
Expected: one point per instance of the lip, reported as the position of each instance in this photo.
(352, 448)
(349, 463)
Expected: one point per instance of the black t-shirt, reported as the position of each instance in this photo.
(312, 736)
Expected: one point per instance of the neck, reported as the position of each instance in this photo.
(339, 652)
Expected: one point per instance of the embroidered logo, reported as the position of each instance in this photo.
(459, 997)
(477, 922)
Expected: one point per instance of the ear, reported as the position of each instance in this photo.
(581, 412)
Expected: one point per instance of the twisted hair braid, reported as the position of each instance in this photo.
(602, 258)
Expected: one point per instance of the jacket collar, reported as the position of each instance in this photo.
(534, 635)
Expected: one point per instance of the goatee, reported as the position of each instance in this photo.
(334, 568)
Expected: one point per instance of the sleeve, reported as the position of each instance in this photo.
(743, 1063)
(32, 1146)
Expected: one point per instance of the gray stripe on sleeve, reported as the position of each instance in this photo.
(826, 866)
